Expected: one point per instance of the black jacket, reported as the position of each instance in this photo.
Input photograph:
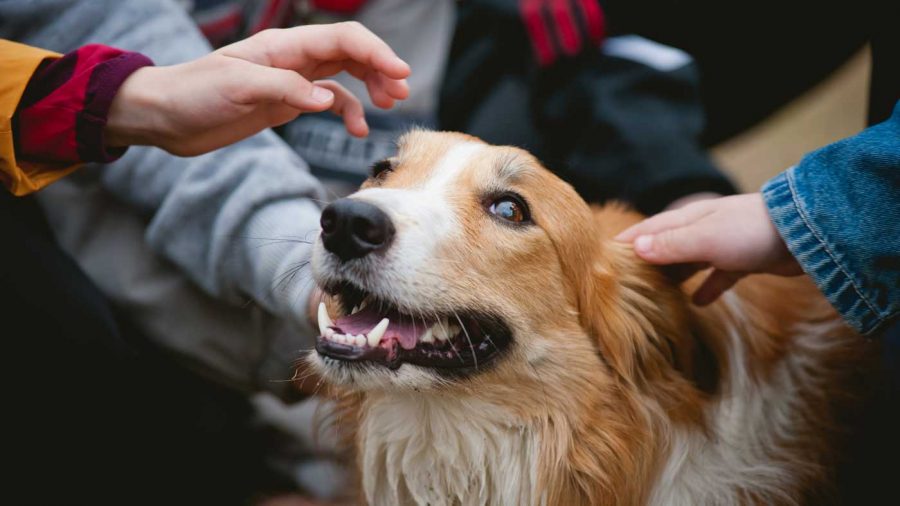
(617, 127)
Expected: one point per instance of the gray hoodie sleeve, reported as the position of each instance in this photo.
(238, 220)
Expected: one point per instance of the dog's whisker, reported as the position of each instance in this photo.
(275, 240)
(487, 337)
(288, 276)
(466, 332)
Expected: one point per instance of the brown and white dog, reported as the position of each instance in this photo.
(491, 344)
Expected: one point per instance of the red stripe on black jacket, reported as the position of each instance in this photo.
(562, 28)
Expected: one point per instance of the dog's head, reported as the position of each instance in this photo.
(460, 263)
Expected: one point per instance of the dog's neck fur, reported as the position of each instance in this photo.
(430, 449)
(769, 435)
(434, 448)
(531, 442)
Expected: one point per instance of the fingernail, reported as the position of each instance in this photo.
(643, 244)
(322, 95)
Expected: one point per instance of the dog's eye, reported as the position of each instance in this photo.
(510, 208)
(381, 168)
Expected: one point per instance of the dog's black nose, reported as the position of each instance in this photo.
(353, 228)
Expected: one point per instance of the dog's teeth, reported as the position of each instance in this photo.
(329, 333)
(360, 340)
(442, 330)
(354, 310)
(324, 319)
(377, 333)
(428, 336)
(363, 304)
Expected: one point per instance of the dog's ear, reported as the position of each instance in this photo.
(638, 317)
(642, 322)
(635, 315)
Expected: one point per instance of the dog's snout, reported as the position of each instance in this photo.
(353, 228)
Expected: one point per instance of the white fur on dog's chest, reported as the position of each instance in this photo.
(429, 449)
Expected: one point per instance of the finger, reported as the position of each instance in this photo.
(715, 285)
(394, 88)
(382, 90)
(348, 107)
(267, 84)
(353, 41)
(663, 221)
(377, 93)
(293, 48)
(691, 243)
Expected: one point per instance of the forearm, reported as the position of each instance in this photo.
(837, 211)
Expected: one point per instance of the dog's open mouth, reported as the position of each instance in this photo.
(374, 330)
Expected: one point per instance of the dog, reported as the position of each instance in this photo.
(490, 343)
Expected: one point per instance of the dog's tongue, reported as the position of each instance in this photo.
(402, 328)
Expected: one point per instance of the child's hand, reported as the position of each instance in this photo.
(260, 82)
(732, 234)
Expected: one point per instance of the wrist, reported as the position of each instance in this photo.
(136, 115)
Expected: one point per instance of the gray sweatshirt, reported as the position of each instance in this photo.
(237, 221)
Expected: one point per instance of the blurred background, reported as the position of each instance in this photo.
(648, 102)
(832, 110)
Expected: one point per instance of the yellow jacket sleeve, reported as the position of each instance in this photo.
(18, 63)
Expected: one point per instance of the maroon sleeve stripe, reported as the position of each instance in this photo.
(65, 105)
(104, 83)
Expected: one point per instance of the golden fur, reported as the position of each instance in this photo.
(612, 371)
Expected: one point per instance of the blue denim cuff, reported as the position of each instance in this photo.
(817, 258)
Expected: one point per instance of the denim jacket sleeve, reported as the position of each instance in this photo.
(838, 211)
